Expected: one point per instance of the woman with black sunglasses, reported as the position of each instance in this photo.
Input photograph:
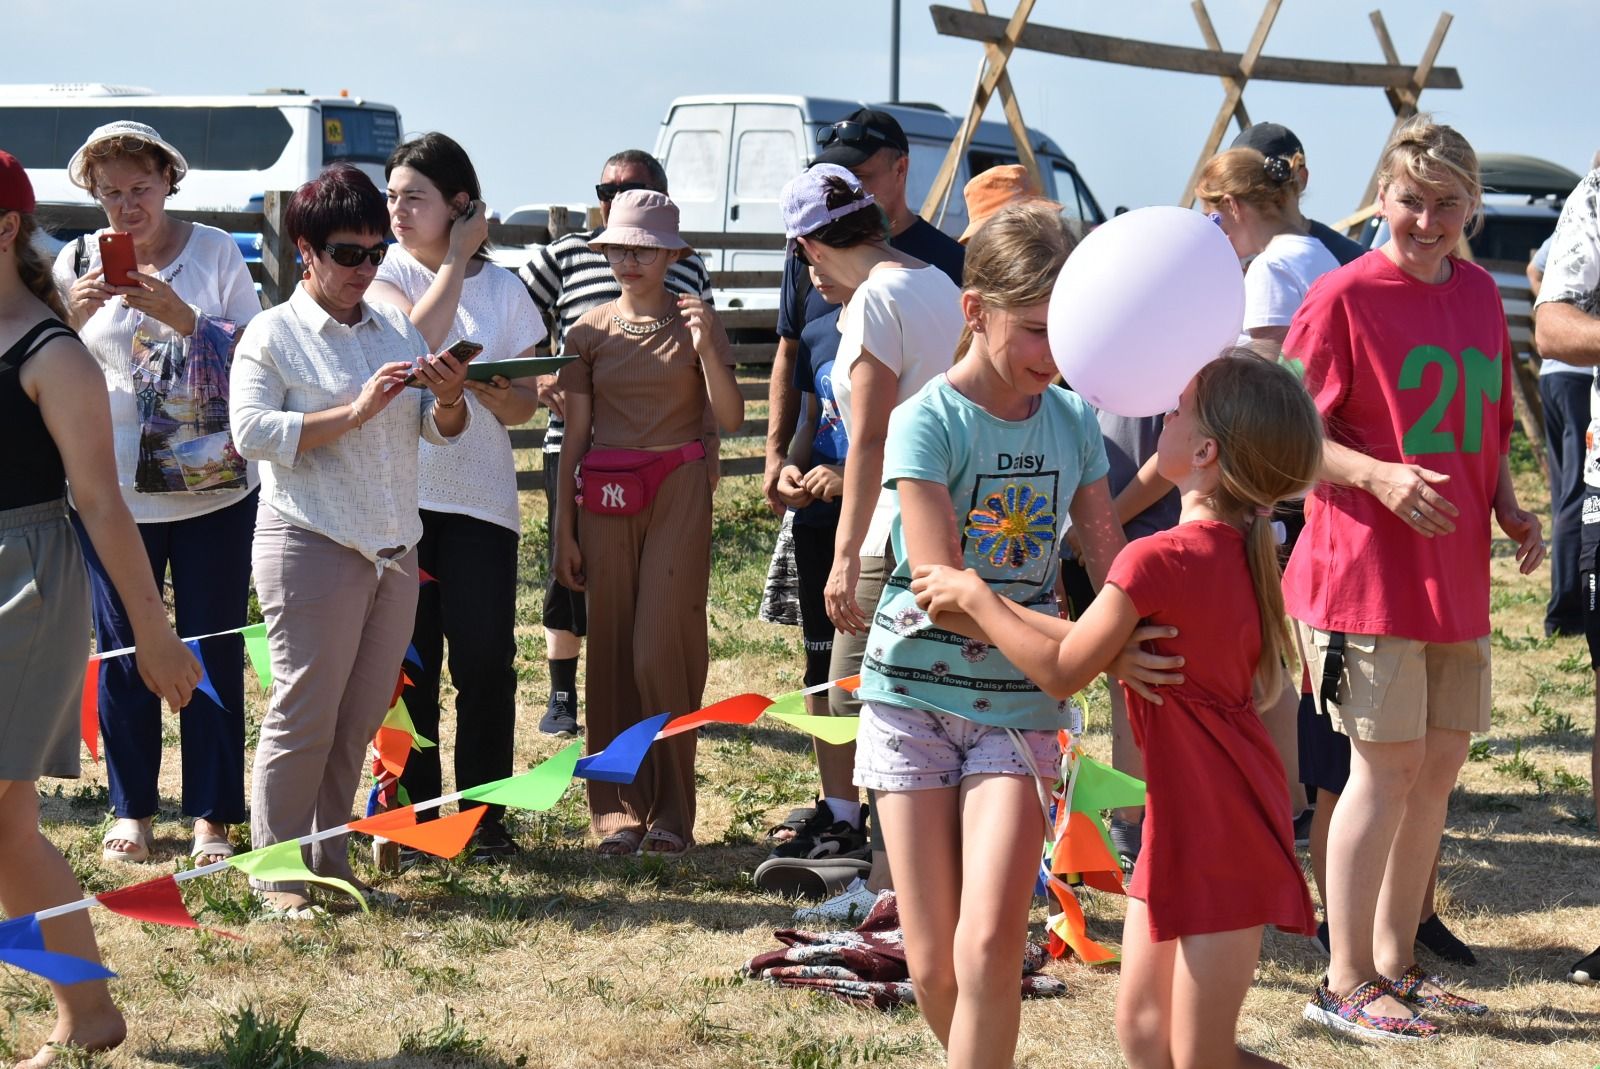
(189, 296)
(320, 398)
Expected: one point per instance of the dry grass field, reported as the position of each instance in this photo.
(563, 958)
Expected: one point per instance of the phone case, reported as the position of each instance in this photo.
(117, 259)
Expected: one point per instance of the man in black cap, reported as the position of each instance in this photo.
(872, 146)
(1272, 139)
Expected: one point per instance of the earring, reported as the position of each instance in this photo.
(977, 326)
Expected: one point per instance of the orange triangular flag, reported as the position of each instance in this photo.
(393, 746)
(1068, 929)
(850, 683)
(1082, 850)
(445, 837)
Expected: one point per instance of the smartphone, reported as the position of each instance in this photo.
(462, 350)
(117, 259)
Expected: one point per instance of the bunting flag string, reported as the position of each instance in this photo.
(1078, 841)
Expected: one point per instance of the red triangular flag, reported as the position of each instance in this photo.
(424, 577)
(89, 710)
(445, 837)
(155, 901)
(739, 709)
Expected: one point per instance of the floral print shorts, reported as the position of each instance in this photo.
(901, 749)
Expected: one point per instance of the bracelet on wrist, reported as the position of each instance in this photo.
(442, 403)
(356, 412)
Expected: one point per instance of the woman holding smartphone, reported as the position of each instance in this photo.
(441, 277)
(190, 289)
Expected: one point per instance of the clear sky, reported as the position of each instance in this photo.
(541, 93)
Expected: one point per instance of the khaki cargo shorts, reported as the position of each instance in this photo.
(1393, 689)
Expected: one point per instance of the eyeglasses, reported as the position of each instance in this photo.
(607, 190)
(644, 256)
(349, 254)
(111, 146)
(850, 132)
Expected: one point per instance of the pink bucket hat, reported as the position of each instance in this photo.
(641, 217)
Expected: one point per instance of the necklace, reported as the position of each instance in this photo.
(639, 330)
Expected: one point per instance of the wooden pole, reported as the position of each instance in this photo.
(1404, 97)
(278, 275)
(1008, 101)
(980, 100)
(1213, 42)
(1231, 98)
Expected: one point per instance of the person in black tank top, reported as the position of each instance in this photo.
(49, 385)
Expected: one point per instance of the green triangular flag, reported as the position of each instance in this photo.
(792, 703)
(255, 644)
(400, 717)
(1103, 787)
(283, 863)
(539, 788)
(834, 729)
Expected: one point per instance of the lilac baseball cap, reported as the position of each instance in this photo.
(804, 201)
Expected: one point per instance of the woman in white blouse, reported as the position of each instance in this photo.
(191, 290)
(320, 397)
(441, 277)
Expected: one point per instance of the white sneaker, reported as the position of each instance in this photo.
(848, 908)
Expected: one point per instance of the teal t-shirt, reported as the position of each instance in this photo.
(1011, 484)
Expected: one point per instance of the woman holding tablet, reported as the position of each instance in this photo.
(441, 277)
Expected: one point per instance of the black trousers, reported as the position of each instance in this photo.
(472, 606)
(1566, 422)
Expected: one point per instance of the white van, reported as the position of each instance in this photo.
(727, 157)
(237, 146)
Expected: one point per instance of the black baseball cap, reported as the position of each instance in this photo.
(1269, 139)
(858, 135)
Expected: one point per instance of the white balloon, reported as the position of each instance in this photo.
(1145, 302)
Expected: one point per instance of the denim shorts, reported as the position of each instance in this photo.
(901, 749)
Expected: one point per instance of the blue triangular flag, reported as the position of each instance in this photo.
(22, 945)
(372, 799)
(619, 762)
(413, 657)
(205, 686)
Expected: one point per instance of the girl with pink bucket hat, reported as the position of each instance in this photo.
(651, 381)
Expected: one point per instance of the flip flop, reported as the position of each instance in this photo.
(671, 843)
(128, 829)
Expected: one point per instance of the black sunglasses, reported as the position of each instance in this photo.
(607, 190)
(850, 132)
(349, 254)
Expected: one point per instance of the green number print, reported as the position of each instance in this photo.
(1483, 383)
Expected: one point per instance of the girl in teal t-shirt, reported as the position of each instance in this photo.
(988, 461)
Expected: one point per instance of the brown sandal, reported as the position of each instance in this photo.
(624, 843)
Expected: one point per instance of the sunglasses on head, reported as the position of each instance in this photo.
(850, 132)
(607, 190)
(349, 254)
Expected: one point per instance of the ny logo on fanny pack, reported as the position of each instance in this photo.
(611, 496)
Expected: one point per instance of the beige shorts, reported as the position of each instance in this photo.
(1394, 689)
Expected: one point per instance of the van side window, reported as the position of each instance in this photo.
(767, 159)
(694, 164)
(216, 139)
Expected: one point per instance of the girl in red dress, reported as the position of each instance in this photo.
(1218, 862)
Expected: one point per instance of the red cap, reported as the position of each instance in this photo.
(16, 192)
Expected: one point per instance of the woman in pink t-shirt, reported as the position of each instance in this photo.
(1407, 356)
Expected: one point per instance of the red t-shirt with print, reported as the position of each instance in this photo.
(1407, 372)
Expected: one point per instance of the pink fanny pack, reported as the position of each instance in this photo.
(620, 482)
